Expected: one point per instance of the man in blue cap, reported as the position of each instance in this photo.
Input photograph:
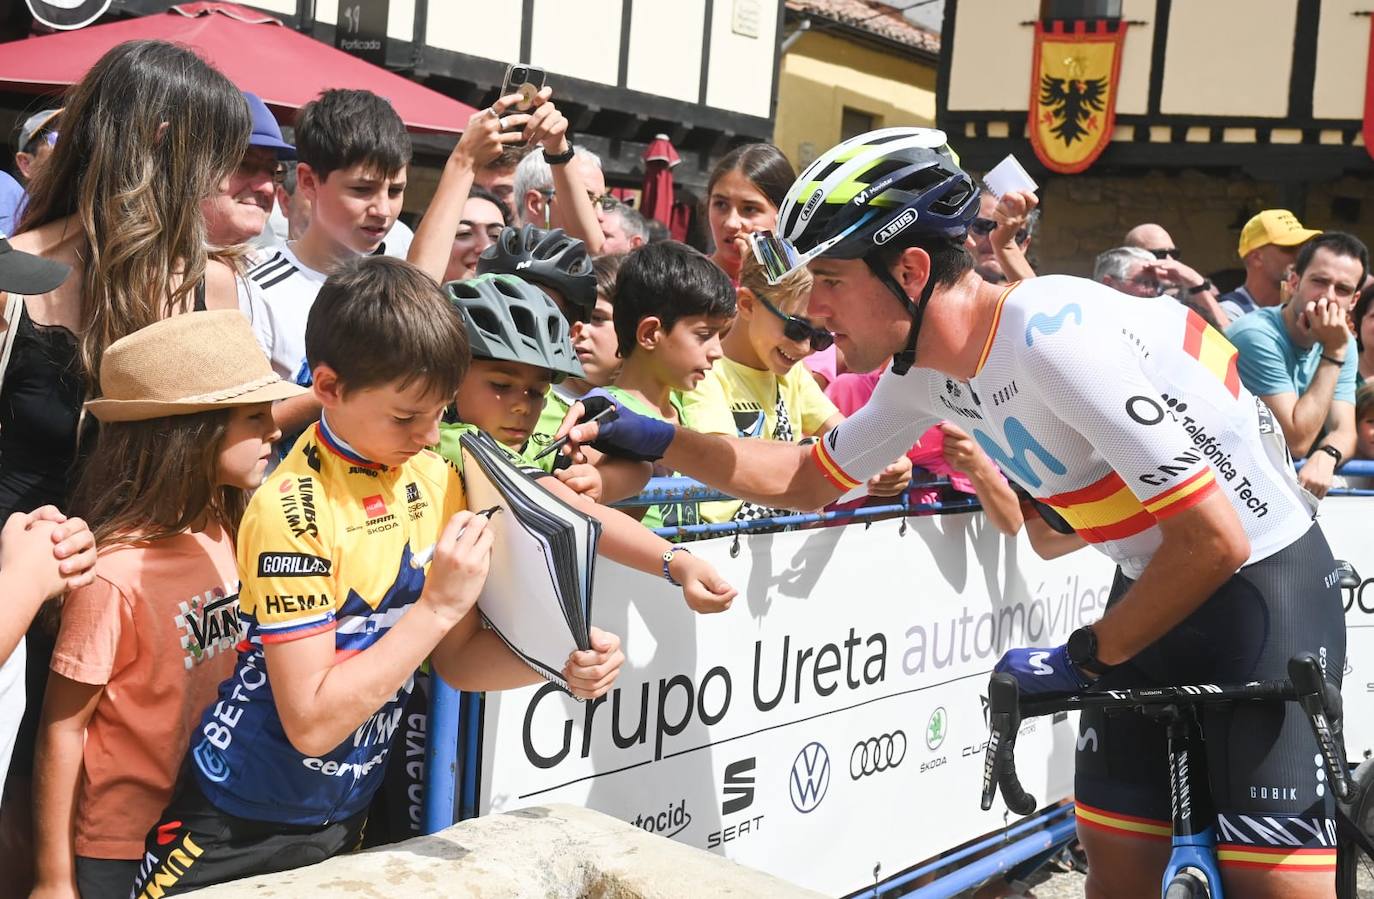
(238, 212)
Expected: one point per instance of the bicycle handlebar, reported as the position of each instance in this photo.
(1320, 701)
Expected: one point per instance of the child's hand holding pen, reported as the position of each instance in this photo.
(421, 559)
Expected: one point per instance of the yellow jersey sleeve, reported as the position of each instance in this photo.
(288, 583)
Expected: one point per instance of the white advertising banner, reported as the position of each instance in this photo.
(1348, 523)
(829, 728)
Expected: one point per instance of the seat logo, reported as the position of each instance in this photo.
(738, 787)
(810, 778)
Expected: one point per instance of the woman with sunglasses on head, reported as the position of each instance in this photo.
(770, 395)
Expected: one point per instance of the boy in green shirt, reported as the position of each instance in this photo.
(671, 306)
(520, 347)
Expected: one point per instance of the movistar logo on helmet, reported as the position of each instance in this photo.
(895, 227)
(812, 203)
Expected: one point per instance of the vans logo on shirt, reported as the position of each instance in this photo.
(209, 623)
(374, 506)
(291, 565)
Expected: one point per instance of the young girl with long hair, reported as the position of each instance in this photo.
(186, 431)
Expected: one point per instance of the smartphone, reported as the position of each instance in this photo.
(525, 80)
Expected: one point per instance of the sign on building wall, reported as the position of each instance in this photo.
(361, 29)
(1077, 70)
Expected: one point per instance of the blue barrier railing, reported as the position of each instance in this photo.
(1058, 824)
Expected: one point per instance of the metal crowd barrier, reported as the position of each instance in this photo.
(453, 744)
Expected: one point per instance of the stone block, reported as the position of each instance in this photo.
(551, 852)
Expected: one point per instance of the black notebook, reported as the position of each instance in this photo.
(538, 594)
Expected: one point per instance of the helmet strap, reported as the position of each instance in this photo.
(902, 362)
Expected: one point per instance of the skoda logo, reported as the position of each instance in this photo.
(810, 777)
(936, 728)
(877, 754)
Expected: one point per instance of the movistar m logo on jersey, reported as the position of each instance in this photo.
(1050, 324)
(1022, 446)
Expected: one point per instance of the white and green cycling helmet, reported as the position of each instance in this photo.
(893, 186)
(509, 320)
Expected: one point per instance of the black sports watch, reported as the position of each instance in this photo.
(1205, 286)
(1331, 451)
(1082, 649)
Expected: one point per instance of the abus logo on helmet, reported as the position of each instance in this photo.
(811, 203)
(895, 227)
(877, 754)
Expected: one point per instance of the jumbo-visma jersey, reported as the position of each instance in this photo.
(325, 546)
(1117, 411)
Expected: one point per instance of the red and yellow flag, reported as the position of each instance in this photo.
(1073, 91)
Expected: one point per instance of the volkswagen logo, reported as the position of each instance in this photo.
(877, 754)
(810, 777)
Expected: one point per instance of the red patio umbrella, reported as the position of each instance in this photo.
(656, 201)
(254, 50)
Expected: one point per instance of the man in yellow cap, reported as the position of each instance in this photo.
(1268, 245)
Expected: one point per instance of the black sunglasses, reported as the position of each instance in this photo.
(799, 329)
(1167, 253)
(983, 227)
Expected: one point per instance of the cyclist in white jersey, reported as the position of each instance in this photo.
(1125, 417)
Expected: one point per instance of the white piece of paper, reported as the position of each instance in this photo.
(1007, 176)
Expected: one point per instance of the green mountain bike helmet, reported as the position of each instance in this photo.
(510, 321)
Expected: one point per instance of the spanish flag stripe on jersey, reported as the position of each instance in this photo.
(992, 332)
(1275, 858)
(1184, 495)
(1104, 510)
(1095, 491)
(1127, 825)
(829, 468)
(1205, 344)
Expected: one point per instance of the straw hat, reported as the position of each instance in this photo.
(187, 363)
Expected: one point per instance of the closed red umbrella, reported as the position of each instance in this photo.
(254, 50)
(656, 201)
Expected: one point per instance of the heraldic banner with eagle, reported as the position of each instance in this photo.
(1073, 91)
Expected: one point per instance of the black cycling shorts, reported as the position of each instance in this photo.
(194, 845)
(1268, 782)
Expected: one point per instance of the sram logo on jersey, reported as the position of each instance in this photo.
(895, 227)
(291, 565)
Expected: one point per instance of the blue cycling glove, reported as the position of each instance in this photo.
(629, 435)
(1042, 670)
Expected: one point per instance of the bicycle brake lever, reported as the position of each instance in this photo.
(999, 763)
(1310, 685)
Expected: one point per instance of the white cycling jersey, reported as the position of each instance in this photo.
(1118, 412)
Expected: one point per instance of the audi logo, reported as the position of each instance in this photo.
(877, 754)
